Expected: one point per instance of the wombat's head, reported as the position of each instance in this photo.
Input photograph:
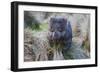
(57, 28)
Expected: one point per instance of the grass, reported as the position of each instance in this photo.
(44, 27)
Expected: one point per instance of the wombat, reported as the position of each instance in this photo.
(60, 31)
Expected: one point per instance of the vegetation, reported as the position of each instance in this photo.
(36, 44)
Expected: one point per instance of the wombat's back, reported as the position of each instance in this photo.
(68, 36)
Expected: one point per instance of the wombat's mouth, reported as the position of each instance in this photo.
(57, 36)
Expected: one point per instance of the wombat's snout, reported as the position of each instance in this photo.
(55, 35)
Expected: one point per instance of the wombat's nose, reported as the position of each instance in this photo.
(56, 35)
